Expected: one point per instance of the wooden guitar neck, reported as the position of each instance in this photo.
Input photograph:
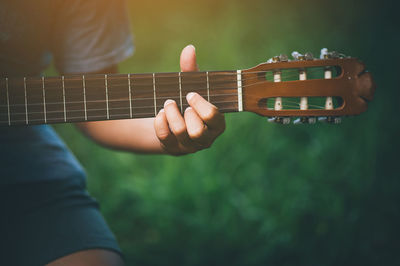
(79, 98)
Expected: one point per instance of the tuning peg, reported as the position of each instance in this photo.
(312, 120)
(297, 56)
(330, 119)
(275, 119)
(308, 56)
(335, 54)
(279, 120)
(324, 53)
(278, 58)
(286, 120)
(283, 58)
(297, 121)
(273, 59)
(305, 120)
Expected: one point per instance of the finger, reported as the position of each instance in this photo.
(188, 59)
(197, 130)
(366, 86)
(176, 122)
(163, 132)
(206, 111)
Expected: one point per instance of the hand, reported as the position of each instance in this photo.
(201, 124)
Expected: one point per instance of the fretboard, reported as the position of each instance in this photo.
(79, 98)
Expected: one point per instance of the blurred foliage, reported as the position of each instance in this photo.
(264, 194)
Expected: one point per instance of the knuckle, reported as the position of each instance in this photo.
(210, 114)
(179, 129)
(196, 133)
(163, 135)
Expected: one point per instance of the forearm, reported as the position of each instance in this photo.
(136, 135)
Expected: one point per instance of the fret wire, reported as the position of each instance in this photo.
(44, 102)
(26, 103)
(154, 90)
(8, 103)
(63, 91)
(130, 95)
(180, 91)
(208, 87)
(105, 81)
(84, 95)
(239, 88)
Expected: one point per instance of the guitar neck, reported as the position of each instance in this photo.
(93, 97)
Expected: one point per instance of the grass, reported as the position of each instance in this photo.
(264, 193)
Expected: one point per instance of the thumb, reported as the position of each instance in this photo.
(188, 59)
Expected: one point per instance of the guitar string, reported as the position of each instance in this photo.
(285, 100)
(91, 77)
(72, 89)
(151, 114)
(99, 117)
(234, 102)
(215, 83)
(96, 77)
(160, 84)
(164, 91)
(287, 104)
(135, 99)
(159, 106)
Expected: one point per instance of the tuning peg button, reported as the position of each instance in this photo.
(330, 119)
(308, 56)
(305, 120)
(286, 120)
(297, 121)
(312, 120)
(279, 120)
(283, 58)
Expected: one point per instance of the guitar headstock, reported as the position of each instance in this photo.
(326, 88)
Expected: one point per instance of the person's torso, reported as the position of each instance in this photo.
(33, 153)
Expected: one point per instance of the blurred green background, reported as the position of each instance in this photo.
(264, 194)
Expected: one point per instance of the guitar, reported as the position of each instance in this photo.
(329, 87)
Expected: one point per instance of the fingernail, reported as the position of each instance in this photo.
(189, 96)
(161, 111)
(191, 45)
(188, 108)
(169, 101)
